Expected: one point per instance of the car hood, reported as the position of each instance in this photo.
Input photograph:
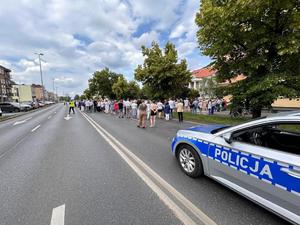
(206, 128)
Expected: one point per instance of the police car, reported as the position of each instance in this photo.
(258, 159)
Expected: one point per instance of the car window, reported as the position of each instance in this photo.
(280, 136)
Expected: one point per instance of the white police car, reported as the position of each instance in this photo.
(259, 159)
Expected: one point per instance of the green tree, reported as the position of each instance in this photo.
(133, 90)
(101, 83)
(260, 39)
(124, 89)
(163, 76)
(120, 88)
(192, 94)
(77, 97)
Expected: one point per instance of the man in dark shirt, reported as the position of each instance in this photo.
(120, 104)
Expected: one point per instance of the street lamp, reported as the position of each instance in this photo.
(41, 54)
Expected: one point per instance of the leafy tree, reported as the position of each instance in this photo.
(163, 76)
(260, 39)
(133, 90)
(124, 89)
(87, 93)
(120, 87)
(77, 97)
(208, 87)
(101, 83)
(193, 94)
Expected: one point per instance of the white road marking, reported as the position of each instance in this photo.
(23, 121)
(68, 117)
(58, 215)
(120, 148)
(34, 129)
(49, 117)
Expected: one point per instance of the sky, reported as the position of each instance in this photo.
(79, 37)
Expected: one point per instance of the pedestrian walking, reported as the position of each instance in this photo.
(134, 108)
(159, 109)
(142, 115)
(195, 106)
(172, 106)
(209, 106)
(148, 109)
(116, 107)
(153, 112)
(120, 107)
(180, 111)
(186, 105)
(71, 107)
(167, 111)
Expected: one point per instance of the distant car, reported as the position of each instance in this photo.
(258, 159)
(41, 104)
(10, 107)
(25, 107)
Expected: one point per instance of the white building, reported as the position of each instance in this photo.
(203, 80)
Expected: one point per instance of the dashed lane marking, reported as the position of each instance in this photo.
(37, 127)
(58, 215)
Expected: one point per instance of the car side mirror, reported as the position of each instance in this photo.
(228, 137)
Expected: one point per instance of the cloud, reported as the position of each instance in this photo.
(78, 38)
(67, 82)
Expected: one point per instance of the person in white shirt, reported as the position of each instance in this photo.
(127, 107)
(160, 107)
(186, 104)
(134, 109)
(148, 109)
(172, 107)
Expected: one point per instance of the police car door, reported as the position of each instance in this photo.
(270, 176)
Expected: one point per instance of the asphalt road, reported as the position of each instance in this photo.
(92, 167)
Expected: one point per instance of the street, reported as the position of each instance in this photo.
(56, 169)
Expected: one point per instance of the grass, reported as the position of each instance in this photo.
(211, 119)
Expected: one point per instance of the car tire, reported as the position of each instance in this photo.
(189, 161)
(17, 110)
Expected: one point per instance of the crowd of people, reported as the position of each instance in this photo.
(150, 110)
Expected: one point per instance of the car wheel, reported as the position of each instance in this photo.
(189, 161)
(17, 110)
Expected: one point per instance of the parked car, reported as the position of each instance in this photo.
(0, 112)
(25, 107)
(41, 104)
(10, 107)
(258, 159)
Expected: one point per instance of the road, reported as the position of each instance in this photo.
(98, 169)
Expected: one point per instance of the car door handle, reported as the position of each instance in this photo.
(291, 172)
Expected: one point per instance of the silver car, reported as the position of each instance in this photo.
(258, 159)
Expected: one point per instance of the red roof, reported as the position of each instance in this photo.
(204, 72)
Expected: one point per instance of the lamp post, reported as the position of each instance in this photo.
(41, 72)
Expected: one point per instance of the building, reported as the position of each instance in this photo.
(204, 81)
(37, 92)
(5, 84)
(22, 93)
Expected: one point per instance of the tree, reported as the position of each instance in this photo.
(259, 39)
(101, 83)
(124, 89)
(120, 87)
(161, 73)
(77, 97)
(133, 90)
(192, 94)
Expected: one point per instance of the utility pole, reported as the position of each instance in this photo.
(41, 72)
(53, 79)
